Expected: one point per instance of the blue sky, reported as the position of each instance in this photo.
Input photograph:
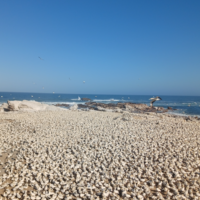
(117, 47)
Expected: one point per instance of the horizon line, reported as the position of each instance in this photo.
(100, 94)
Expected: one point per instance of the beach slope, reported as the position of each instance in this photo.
(66, 154)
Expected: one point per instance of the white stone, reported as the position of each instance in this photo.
(74, 107)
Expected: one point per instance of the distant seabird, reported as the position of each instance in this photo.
(154, 99)
(83, 81)
(40, 58)
(1, 96)
(31, 96)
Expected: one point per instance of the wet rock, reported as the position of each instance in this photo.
(85, 99)
(82, 106)
(129, 107)
(62, 105)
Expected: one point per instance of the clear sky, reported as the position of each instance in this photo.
(115, 46)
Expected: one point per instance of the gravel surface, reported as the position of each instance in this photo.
(98, 155)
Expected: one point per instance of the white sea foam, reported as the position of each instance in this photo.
(70, 103)
(181, 112)
(107, 100)
(79, 99)
(178, 113)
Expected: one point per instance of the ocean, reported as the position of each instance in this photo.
(185, 105)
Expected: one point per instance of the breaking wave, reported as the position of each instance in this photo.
(107, 100)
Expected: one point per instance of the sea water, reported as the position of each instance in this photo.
(185, 105)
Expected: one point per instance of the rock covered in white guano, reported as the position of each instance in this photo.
(13, 105)
(27, 106)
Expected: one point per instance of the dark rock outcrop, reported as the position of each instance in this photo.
(119, 107)
(131, 107)
(85, 99)
(82, 106)
(62, 105)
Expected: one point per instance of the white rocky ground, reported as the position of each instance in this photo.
(98, 155)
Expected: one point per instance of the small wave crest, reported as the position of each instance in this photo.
(70, 103)
(79, 99)
(107, 100)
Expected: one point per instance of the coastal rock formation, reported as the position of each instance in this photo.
(13, 105)
(130, 107)
(85, 99)
(26, 106)
(170, 108)
(62, 105)
(82, 106)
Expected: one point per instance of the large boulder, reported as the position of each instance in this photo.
(13, 105)
(32, 105)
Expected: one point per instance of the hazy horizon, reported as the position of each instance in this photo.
(98, 94)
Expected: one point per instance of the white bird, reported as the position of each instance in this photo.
(1, 96)
(32, 96)
(83, 81)
(154, 99)
(53, 92)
